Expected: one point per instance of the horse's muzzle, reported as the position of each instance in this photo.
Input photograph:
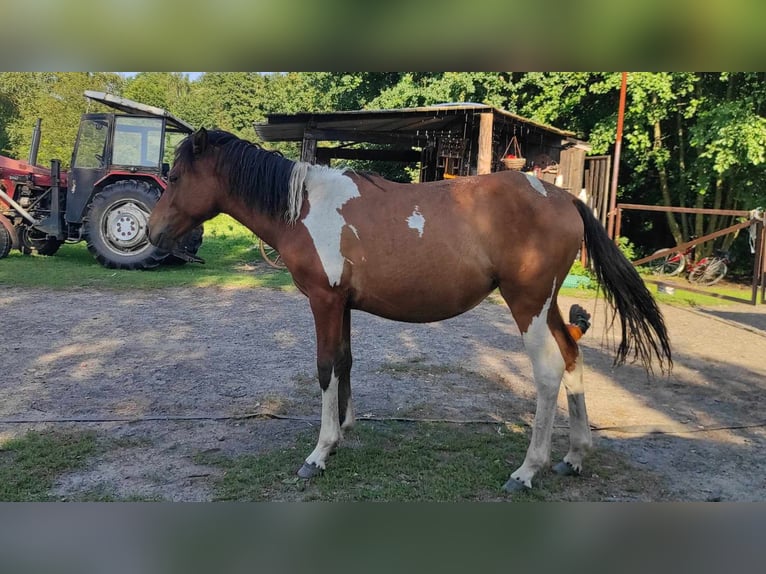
(160, 238)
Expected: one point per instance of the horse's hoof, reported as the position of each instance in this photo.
(309, 470)
(565, 469)
(514, 485)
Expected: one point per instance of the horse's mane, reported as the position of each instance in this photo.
(265, 180)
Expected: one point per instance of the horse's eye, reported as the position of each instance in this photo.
(172, 178)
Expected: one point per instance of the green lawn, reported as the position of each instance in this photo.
(423, 461)
(30, 464)
(229, 249)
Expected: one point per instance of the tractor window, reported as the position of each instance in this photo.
(90, 144)
(137, 141)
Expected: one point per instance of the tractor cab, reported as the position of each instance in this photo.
(138, 142)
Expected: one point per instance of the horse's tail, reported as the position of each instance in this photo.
(643, 328)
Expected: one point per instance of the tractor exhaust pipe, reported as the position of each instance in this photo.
(35, 143)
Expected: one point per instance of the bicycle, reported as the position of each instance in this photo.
(707, 271)
(710, 270)
(673, 263)
(271, 255)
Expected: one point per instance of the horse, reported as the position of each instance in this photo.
(341, 235)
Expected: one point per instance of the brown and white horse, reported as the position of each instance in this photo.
(417, 253)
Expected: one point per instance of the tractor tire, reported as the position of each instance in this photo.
(5, 242)
(34, 242)
(115, 226)
(190, 243)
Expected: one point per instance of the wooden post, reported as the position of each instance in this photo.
(763, 262)
(617, 225)
(757, 261)
(309, 150)
(484, 156)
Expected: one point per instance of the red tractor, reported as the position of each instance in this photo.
(117, 174)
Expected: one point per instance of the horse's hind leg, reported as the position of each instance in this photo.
(333, 364)
(345, 408)
(551, 350)
(580, 440)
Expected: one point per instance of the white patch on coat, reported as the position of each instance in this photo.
(353, 230)
(536, 184)
(328, 190)
(329, 431)
(540, 342)
(416, 221)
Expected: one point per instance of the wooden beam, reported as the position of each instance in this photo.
(402, 155)
(321, 134)
(484, 156)
(703, 211)
(682, 246)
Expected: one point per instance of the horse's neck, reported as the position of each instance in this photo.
(267, 227)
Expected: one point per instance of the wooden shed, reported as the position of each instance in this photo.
(446, 140)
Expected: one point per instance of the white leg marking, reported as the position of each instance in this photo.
(349, 421)
(580, 439)
(329, 432)
(547, 368)
(537, 184)
(328, 190)
(416, 221)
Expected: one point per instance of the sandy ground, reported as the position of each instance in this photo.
(174, 372)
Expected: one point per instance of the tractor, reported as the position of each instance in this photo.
(116, 176)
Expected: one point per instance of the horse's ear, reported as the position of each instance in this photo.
(199, 141)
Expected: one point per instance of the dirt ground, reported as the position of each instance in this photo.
(170, 373)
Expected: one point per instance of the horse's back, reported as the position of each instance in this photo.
(425, 252)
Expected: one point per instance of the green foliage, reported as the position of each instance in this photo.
(627, 248)
(691, 139)
(579, 270)
(55, 97)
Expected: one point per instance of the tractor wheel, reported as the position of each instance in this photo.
(5, 242)
(34, 242)
(115, 226)
(190, 243)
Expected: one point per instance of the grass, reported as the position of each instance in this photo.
(688, 298)
(228, 249)
(378, 461)
(680, 297)
(404, 462)
(30, 465)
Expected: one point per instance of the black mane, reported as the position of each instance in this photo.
(260, 177)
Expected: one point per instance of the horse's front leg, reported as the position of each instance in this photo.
(333, 367)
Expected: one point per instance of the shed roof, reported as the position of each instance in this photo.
(412, 124)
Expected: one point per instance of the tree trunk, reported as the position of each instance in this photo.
(664, 187)
(717, 199)
(682, 196)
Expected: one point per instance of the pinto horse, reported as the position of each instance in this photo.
(341, 235)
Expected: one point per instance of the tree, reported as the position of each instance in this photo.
(55, 97)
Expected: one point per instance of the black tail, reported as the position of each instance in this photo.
(643, 328)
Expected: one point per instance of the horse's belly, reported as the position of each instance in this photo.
(422, 301)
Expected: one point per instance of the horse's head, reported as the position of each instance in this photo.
(192, 194)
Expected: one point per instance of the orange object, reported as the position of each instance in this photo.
(575, 331)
